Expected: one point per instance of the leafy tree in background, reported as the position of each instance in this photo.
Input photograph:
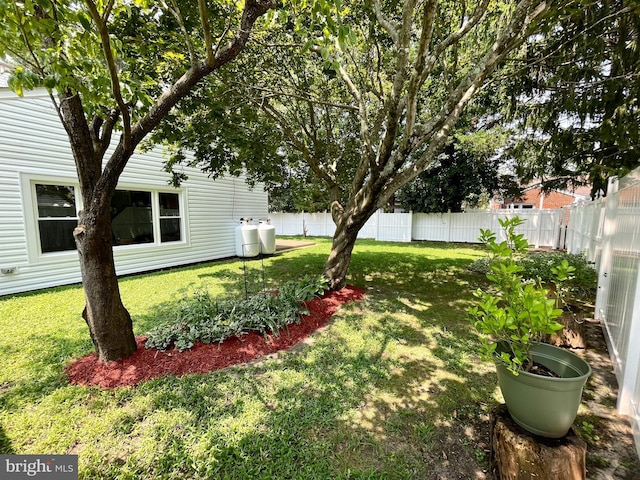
(576, 96)
(282, 125)
(116, 68)
(298, 191)
(368, 107)
(467, 173)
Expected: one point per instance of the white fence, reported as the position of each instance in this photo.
(394, 227)
(608, 232)
(543, 228)
(584, 231)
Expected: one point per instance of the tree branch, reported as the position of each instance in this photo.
(454, 37)
(298, 144)
(175, 11)
(428, 21)
(208, 43)
(88, 165)
(273, 93)
(436, 132)
(386, 24)
(113, 74)
(107, 11)
(25, 39)
(394, 107)
(253, 9)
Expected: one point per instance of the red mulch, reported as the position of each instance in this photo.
(146, 364)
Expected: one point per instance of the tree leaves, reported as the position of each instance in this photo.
(515, 312)
(576, 95)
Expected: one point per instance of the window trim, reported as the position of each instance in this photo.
(161, 217)
(40, 218)
(31, 216)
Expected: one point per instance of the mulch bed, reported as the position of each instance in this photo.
(145, 364)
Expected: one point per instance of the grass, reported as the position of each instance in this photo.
(392, 389)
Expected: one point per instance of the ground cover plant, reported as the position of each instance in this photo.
(202, 317)
(391, 389)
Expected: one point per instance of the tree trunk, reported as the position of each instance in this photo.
(348, 224)
(108, 320)
(337, 265)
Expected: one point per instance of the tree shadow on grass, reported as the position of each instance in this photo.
(338, 408)
(5, 443)
(434, 407)
(48, 355)
(280, 405)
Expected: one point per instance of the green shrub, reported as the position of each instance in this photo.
(480, 266)
(203, 318)
(515, 313)
(538, 265)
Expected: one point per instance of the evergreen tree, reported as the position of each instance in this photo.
(576, 96)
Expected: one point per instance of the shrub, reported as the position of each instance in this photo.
(203, 318)
(538, 266)
(480, 266)
(515, 313)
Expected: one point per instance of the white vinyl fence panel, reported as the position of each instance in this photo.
(318, 224)
(584, 232)
(287, 223)
(543, 228)
(608, 231)
(394, 227)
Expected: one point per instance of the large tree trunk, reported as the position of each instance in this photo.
(108, 320)
(348, 224)
(337, 265)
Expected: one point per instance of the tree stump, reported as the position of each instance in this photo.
(572, 335)
(519, 455)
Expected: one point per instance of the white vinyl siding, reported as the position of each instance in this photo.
(34, 149)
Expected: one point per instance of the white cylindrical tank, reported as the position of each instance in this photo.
(267, 234)
(247, 239)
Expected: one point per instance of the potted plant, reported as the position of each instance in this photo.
(541, 384)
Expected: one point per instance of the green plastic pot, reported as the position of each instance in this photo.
(542, 405)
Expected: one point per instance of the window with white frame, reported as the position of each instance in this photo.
(57, 217)
(131, 217)
(170, 218)
(135, 217)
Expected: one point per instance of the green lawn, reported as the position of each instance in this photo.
(391, 389)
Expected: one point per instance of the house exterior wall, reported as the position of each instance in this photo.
(552, 199)
(34, 149)
(535, 198)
